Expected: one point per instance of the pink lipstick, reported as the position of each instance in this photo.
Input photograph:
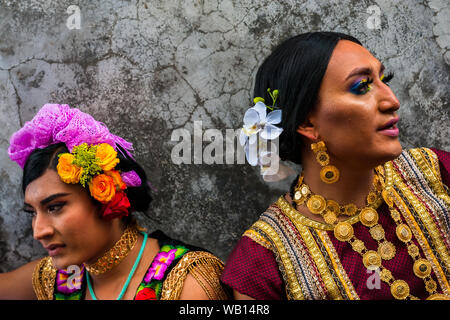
(390, 128)
(54, 249)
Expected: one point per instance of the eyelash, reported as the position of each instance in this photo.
(366, 82)
(58, 206)
(29, 212)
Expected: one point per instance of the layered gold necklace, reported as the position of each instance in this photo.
(330, 210)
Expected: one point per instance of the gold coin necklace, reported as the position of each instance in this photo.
(421, 267)
(330, 210)
(372, 260)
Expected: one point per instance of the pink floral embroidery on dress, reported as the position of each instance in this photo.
(159, 265)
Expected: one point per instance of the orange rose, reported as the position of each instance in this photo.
(107, 156)
(117, 179)
(102, 188)
(68, 172)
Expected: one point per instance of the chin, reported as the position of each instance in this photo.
(61, 263)
(390, 152)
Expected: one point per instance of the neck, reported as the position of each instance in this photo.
(353, 185)
(123, 267)
(108, 285)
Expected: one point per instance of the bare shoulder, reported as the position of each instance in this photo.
(17, 284)
(192, 290)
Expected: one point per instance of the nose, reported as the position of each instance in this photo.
(42, 227)
(388, 100)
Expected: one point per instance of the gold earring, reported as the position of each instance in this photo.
(329, 173)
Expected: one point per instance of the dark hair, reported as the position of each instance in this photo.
(47, 158)
(296, 68)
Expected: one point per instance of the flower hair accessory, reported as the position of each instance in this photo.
(92, 156)
(94, 166)
(260, 127)
(131, 178)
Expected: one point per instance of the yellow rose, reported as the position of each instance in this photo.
(68, 172)
(102, 188)
(107, 155)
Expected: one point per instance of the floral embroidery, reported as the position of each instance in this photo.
(159, 265)
(65, 291)
(146, 294)
(163, 262)
(149, 289)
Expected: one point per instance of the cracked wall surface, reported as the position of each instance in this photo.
(146, 68)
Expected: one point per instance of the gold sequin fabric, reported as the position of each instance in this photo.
(43, 279)
(204, 267)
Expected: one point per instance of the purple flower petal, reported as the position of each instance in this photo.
(131, 179)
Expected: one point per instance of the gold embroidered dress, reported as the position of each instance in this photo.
(164, 279)
(289, 256)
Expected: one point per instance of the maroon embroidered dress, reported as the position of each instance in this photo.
(287, 256)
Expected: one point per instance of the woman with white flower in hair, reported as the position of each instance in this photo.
(257, 134)
(363, 219)
(80, 185)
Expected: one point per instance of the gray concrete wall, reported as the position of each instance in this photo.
(146, 68)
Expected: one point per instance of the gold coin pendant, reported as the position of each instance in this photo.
(329, 174)
(330, 217)
(305, 190)
(403, 232)
(350, 209)
(422, 268)
(333, 206)
(400, 289)
(343, 231)
(377, 232)
(358, 246)
(323, 158)
(368, 217)
(371, 260)
(430, 286)
(413, 250)
(316, 204)
(386, 250)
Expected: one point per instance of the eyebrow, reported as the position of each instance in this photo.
(48, 199)
(363, 71)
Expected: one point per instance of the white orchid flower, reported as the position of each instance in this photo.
(256, 120)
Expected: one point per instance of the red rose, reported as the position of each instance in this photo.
(146, 294)
(117, 207)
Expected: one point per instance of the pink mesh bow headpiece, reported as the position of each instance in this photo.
(56, 123)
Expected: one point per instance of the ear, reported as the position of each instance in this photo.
(308, 129)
